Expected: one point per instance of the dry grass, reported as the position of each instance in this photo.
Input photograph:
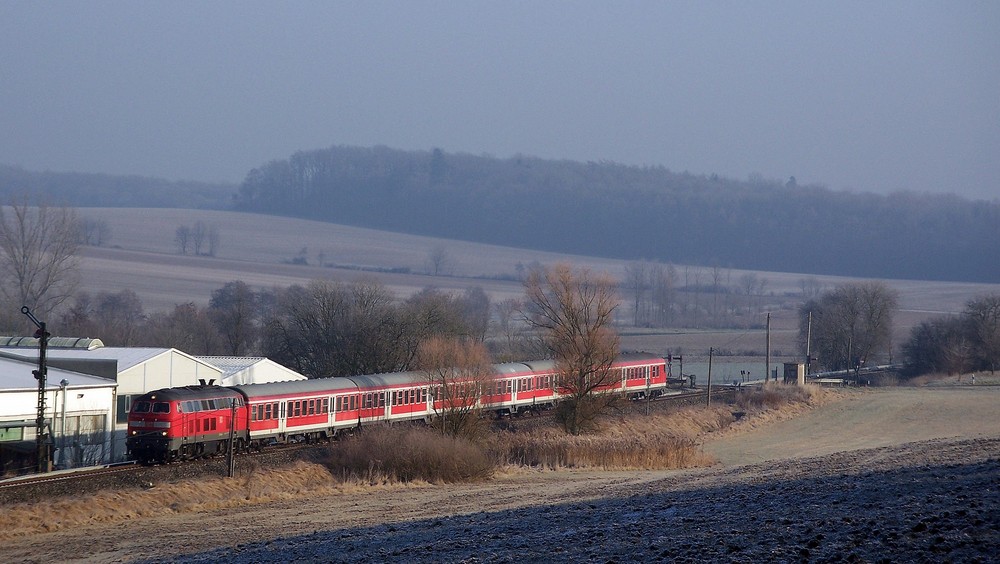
(659, 441)
(774, 395)
(778, 402)
(385, 455)
(400, 457)
(252, 486)
(941, 379)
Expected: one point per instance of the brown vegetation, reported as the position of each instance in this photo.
(398, 455)
(405, 454)
(574, 310)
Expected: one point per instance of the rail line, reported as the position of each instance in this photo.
(76, 481)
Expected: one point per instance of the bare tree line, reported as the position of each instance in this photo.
(661, 295)
(200, 239)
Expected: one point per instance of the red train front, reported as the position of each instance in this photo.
(188, 422)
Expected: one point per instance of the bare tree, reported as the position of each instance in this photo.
(233, 311)
(851, 324)
(438, 261)
(507, 332)
(187, 328)
(183, 238)
(574, 311)
(94, 232)
(663, 282)
(39, 267)
(119, 318)
(459, 375)
(213, 240)
(984, 323)
(637, 280)
(199, 236)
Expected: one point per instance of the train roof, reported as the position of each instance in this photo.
(390, 380)
(508, 368)
(401, 379)
(335, 384)
(187, 393)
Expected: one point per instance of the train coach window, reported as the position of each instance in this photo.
(161, 407)
(326, 405)
(141, 407)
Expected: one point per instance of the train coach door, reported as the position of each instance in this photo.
(281, 417)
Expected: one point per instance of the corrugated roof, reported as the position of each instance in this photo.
(16, 375)
(127, 357)
(232, 364)
(54, 342)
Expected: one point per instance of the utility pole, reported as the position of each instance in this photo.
(767, 353)
(809, 330)
(709, 395)
(41, 439)
(230, 452)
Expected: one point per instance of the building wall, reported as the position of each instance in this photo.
(168, 370)
(80, 428)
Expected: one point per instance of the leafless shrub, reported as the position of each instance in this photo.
(406, 454)
(774, 395)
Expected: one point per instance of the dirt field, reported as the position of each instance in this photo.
(142, 255)
(908, 473)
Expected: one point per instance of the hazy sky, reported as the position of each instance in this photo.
(868, 96)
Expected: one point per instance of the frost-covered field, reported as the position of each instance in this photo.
(932, 501)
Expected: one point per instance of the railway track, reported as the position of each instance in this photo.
(131, 475)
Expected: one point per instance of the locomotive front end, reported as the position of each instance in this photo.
(151, 429)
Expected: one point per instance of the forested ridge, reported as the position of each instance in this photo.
(612, 210)
(77, 189)
(596, 208)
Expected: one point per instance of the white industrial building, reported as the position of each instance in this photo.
(240, 370)
(78, 416)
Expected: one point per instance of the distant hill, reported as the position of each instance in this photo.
(104, 190)
(627, 212)
(594, 209)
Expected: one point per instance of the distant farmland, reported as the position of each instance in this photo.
(268, 251)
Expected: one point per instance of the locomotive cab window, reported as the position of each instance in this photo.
(161, 407)
(141, 407)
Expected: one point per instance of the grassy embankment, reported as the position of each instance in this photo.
(408, 456)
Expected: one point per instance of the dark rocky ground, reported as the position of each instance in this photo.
(931, 501)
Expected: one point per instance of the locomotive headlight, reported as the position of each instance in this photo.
(164, 433)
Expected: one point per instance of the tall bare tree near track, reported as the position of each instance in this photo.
(459, 373)
(574, 309)
(851, 324)
(233, 310)
(39, 267)
(983, 316)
